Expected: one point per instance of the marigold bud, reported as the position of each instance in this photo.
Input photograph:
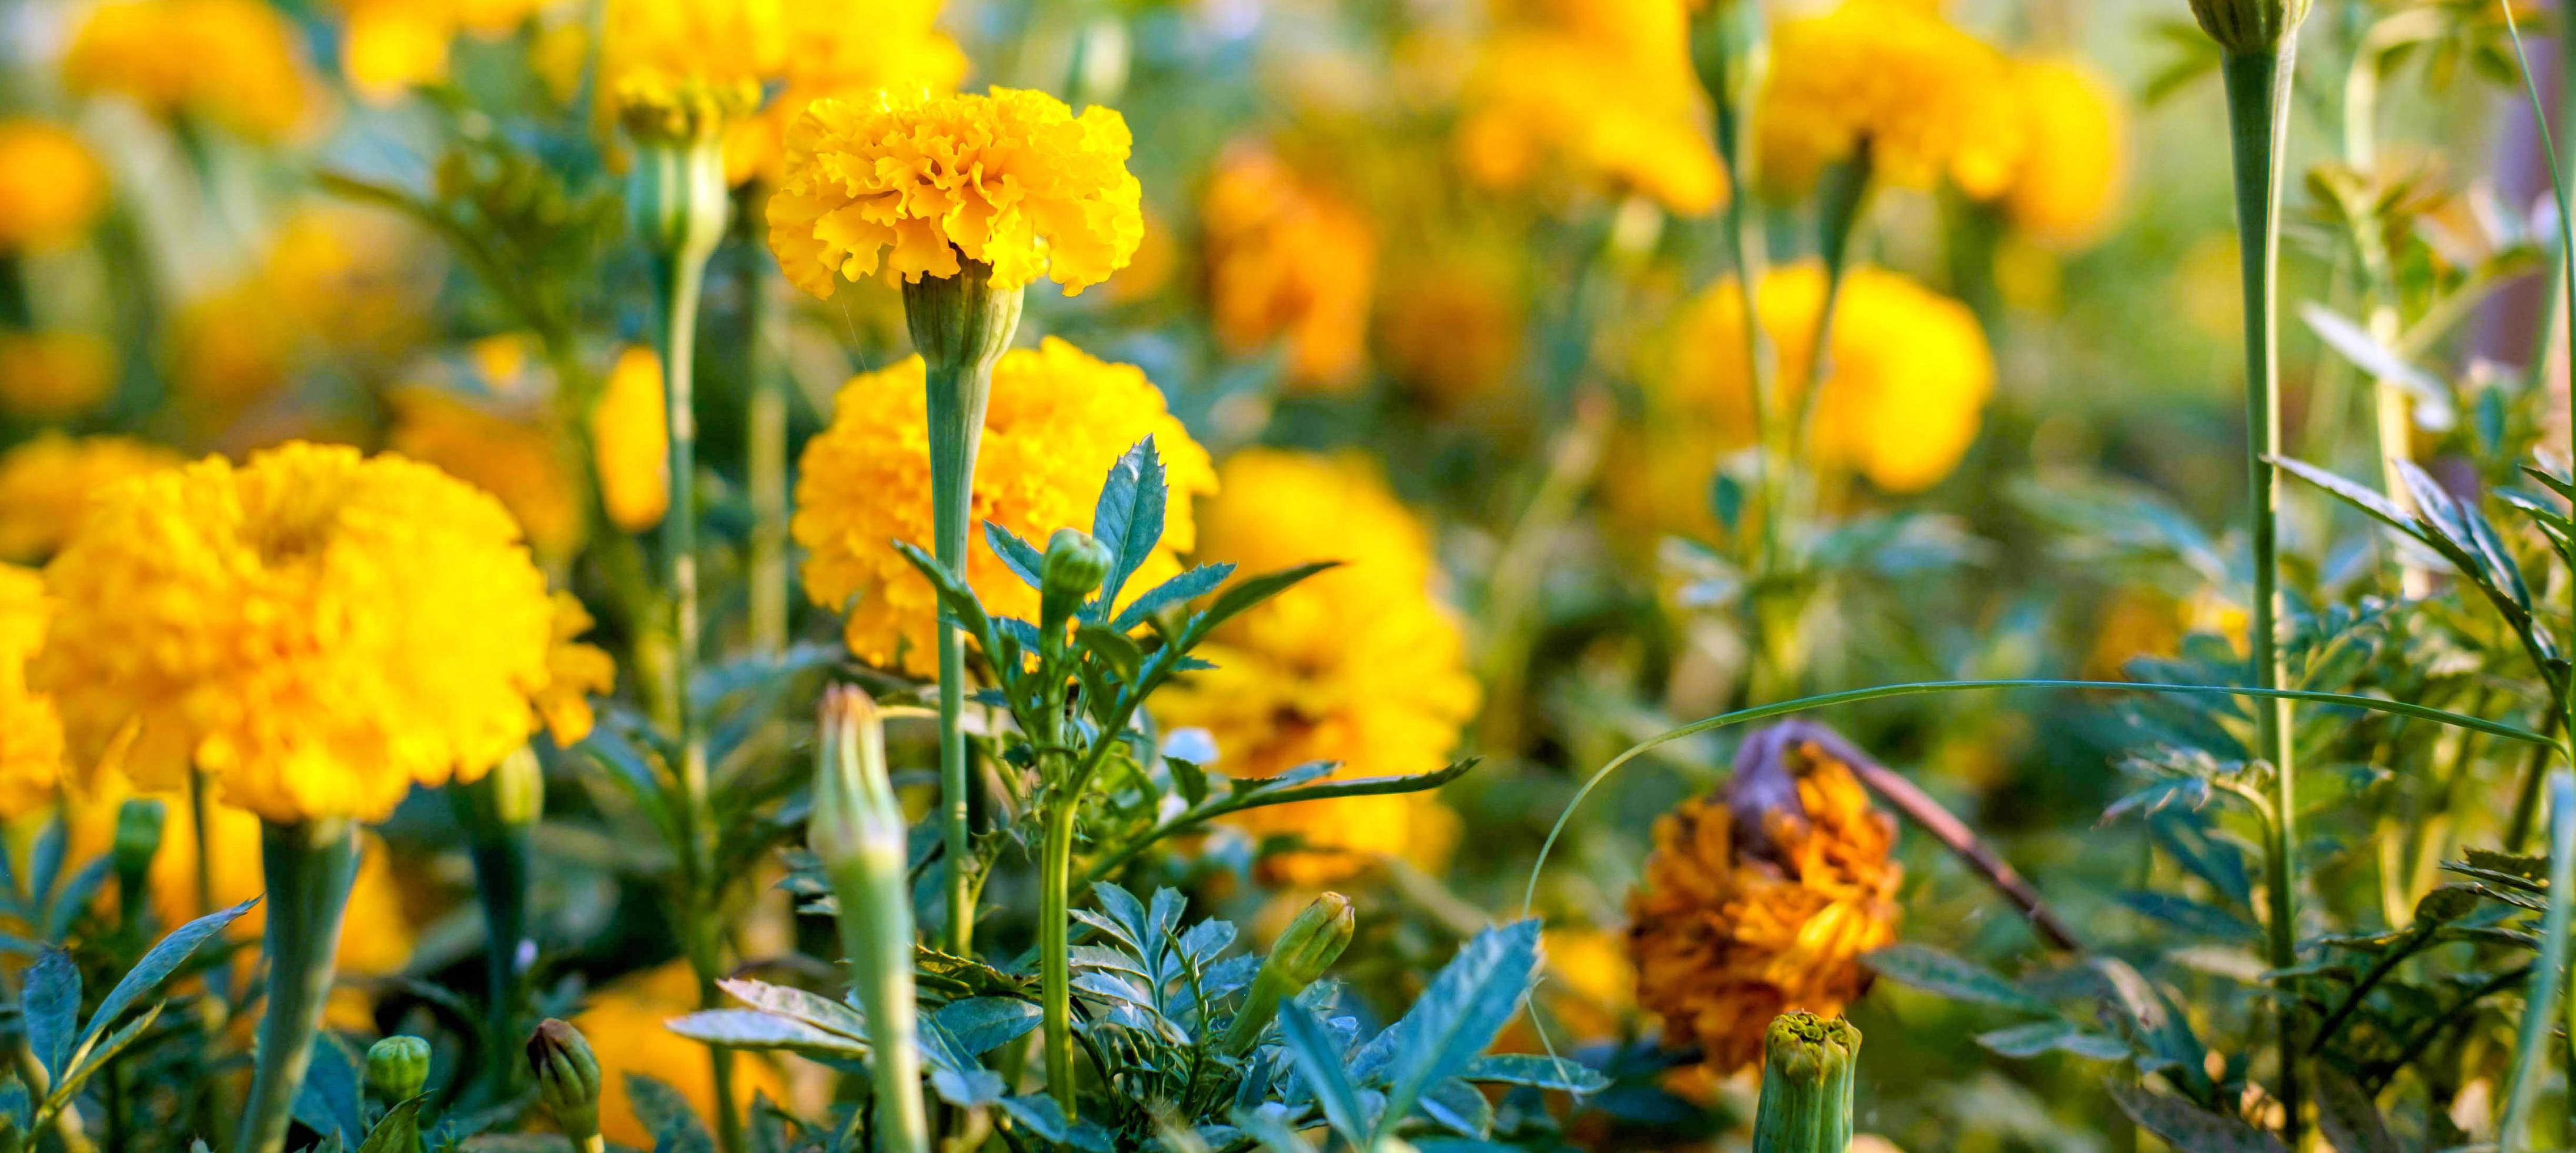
(518, 787)
(1807, 1085)
(138, 837)
(963, 321)
(1075, 565)
(856, 820)
(397, 1068)
(678, 196)
(2243, 26)
(568, 1078)
(1303, 955)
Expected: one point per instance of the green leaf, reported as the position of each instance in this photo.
(1457, 1017)
(1461, 1107)
(667, 1115)
(1129, 520)
(396, 1129)
(2380, 361)
(2348, 1116)
(106, 1050)
(1250, 591)
(2362, 497)
(753, 1029)
(50, 1005)
(2190, 1128)
(1933, 971)
(982, 1024)
(1320, 1060)
(1536, 1072)
(2198, 918)
(1188, 586)
(156, 966)
(1270, 1125)
(956, 597)
(1113, 648)
(2039, 1037)
(1022, 558)
(795, 1004)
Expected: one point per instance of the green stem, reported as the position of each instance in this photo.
(1055, 969)
(2258, 103)
(766, 456)
(2540, 1000)
(876, 937)
(957, 397)
(501, 851)
(309, 868)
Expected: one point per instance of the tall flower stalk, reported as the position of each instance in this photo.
(310, 866)
(2259, 46)
(857, 832)
(1074, 566)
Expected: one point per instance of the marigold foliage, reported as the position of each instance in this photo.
(1058, 419)
(1597, 91)
(1288, 258)
(1928, 100)
(630, 442)
(51, 375)
(31, 734)
(46, 484)
(913, 184)
(316, 630)
(235, 63)
(1362, 665)
(2067, 185)
(51, 185)
(1727, 937)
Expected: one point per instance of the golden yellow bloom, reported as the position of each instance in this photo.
(2066, 186)
(630, 442)
(1928, 100)
(51, 186)
(575, 672)
(1598, 92)
(1764, 899)
(897, 47)
(1905, 388)
(914, 184)
(233, 62)
(52, 375)
(391, 46)
(332, 280)
(1058, 420)
(511, 456)
(712, 41)
(316, 630)
(46, 485)
(1451, 327)
(624, 1024)
(1361, 665)
(31, 734)
(1286, 257)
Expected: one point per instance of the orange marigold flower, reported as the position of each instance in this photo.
(1927, 100)
(2064, 191)
(237, 63)
(1286, 257)
(630, 442)
(1598, 92)
(51, 185)
(1763, 899)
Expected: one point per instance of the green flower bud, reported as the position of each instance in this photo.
(1075, 565)
(962, 321)
(677, 195)
(2249, 26)
(1809, 1066)
(138, 838)
(1303, 955)
(568, 1078)
(856, 822)
(397, 1068)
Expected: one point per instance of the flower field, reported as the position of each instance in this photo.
(1286, 576)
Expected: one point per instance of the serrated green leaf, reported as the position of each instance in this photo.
(2190, 1128)
(1933, 971)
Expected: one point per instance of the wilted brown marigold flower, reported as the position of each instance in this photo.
(1763, 898)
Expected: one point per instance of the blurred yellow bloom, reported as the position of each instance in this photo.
(575, 672)
(315, 630)
(624, 1024)
(1752, 906)
(52, 375)
(716, 42)
(1904, 390)
(46, 485)
(829, 54)
(1286, 257)
(1927, 100)
(630, 442)
(1451, 327)
(1058, 420)
(391, 46)
(2066, 186)
(332, 280)
(31, 734)
(1599, 92)
(1589, 983)
(516, 458)
(51, 185)
(1361, 665)
(914, 184)
(236, 63)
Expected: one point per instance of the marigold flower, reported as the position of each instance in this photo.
(392, 46)
(2067, 184)
(512, 457)
(1287, 257)
(1451, 328)
(315, 630)
(332, 279)
(31, 733)
(624, 1024)
(51, 185)
(233, 62)
(630, 442)
(52, 375)
(575, 672)
(898, 48)
(1597, 91)
(1763, 899)
(1925, 99)
(1361, 665)
(1057, 420)
(46, 485)
(916, 184)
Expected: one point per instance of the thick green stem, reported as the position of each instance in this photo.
(1055, 968)
(2258, 104)
(309, 868)
(501, 849)
(957, 396)
(857, 831)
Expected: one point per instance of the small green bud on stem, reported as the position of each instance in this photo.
(568, 1081)
(1809, 1066)
(397, 1068)
(1074, 567)
(138, 840)
(857, 830)
(1303, 955)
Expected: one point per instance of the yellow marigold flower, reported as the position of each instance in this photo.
(1057, 421)
(1927, 100)
(392, 46)
(51, 375)
(233, 62)
(630, 442)
(46, 485)
(624, 1024)
(316, 630)
(712, 41)
(897, 47)
(342, 280)
(1597, 91)
(2066, 186)
(575, 672)
(1904, 391)
(1361, 665)
(1763, 900)
(916, 184)
(51, 185)
(1451, 328)
(512, 457)
(31, 734)
(1286, 257)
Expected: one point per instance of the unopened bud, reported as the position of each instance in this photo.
(1303, 955)
(397, 1068)
(1075, 565)
(856, 819)
(678, 196)
(1808, 1074)
(2250, 26)
(138, 835)
(518, 787)
(961, 321)
(568, 1078)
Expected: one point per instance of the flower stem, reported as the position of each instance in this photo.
(1055, 968)
(766, 455)
(309, 868)
(2258, 105)
(957, 396)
